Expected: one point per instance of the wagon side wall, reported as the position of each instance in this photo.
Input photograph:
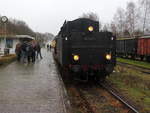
(143, 46)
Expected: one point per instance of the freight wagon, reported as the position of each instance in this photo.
(143, 47)
(134, 48)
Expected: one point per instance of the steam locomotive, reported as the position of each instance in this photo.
(84, 51)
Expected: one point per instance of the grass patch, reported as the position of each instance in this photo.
(7, 59)
(136, 63)
(134, 85)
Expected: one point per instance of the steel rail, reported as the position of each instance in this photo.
(120, 99)
(133, 65)
(141, 69)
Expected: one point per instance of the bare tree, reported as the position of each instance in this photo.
(120, 20)
(106, 27)
(145, 7)
(131, 17)
(113, 28)
(118, 25)
(133, 20)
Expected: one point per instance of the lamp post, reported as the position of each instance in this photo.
(4, 20)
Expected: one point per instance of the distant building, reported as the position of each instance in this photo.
(11, 41)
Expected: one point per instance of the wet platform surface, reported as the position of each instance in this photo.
(31, 88)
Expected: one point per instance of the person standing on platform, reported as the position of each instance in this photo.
(47, 47)
(50, 47)
(24, 51)
(18, 51)
(38, 49)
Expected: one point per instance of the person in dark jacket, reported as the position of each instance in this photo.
(38, 49)
(18, 51)
(50, 47)
(33, 53)
(24, 51)
(29, 51)
(47, 47)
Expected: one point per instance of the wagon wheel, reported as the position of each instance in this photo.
(141, 57)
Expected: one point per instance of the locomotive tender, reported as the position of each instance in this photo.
(84, 51)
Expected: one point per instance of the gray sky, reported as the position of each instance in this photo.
(49, 15)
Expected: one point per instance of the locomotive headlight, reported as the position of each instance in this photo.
(76, 57)
(108, 56)
(90, 28)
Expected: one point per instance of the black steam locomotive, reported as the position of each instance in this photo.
(87, 53)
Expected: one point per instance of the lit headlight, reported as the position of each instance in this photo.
(76, 57)
(108, 56)
(90, 28)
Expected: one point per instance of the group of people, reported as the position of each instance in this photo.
(28, 51)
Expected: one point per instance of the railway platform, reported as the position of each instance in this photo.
(32, 88)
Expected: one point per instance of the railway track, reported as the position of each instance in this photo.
(141, 69)
(88, 105)
(111, 90)
(97, 98)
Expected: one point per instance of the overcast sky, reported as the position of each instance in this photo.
(49, 15)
